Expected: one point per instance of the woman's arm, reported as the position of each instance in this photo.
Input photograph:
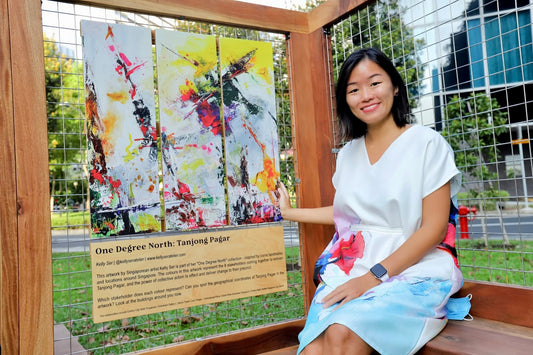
(435, 214)
(319, 215)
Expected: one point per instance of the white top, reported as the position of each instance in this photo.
(376, 209)
(381, 204)
(389, 193)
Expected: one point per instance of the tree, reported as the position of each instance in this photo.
(381, 26)
(471, 125)
(308, 6)
(66, 140)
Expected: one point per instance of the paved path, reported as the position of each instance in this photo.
(65, 344)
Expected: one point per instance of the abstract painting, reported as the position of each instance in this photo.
(251, 139)
(121, 129)
(191, 130)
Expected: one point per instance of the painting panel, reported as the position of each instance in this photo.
(121, 129)
(251, 139)
(191, 132)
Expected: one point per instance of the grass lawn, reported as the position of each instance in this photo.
(73, 302)
(62, 220)
(508, 264)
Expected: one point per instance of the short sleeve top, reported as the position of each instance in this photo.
(389, 193)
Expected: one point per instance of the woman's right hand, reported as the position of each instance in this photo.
(321, 215)
(284, 201)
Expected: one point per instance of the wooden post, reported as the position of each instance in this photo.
(27, 316)
(8, 202)
(312, 110)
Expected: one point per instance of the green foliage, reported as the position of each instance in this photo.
(381, 26)
(70, 220)
(486, 199)
(73, 307)
(66, 141)
(497, 261)
(308, 6)
(471, 127)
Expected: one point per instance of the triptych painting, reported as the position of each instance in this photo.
(191, 130)
(121, 129)
(214, 159)
(251, 135)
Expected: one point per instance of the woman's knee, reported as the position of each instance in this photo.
(338, 333)
(342, 340)
(315, 347)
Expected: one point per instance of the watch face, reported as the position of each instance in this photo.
(378, 270)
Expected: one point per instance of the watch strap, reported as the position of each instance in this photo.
(379, 272)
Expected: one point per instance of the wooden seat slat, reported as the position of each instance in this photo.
(481, 336)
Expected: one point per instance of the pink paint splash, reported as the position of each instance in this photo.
(347, 251)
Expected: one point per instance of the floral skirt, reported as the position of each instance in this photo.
(396, 317)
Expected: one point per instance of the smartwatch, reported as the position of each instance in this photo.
(379, 272)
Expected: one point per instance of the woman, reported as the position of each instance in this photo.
(384, 282)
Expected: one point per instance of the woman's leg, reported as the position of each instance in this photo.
(339, 339)
(316, 347)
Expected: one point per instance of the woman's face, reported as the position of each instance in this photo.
(370, 93)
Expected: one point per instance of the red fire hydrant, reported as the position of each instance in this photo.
(464, 218)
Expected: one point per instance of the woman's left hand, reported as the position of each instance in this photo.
(350, 290)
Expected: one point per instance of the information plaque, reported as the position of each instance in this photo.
(142, 276)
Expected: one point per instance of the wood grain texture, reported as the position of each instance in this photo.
(35, 320)
(252, 341)
(225, 12)
(332, 11)
(505, 303)
(311, 109)
(8, 202)
(481, 336)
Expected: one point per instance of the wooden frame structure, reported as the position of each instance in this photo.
(26, 323)
(26, 317)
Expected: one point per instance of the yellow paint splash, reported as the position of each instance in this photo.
(187, 87)
(266, 180)
(129, 153)
(121, 97)
(110, 124)
(262, 61)
(148, 222)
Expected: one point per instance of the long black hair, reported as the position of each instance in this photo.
(352, 127)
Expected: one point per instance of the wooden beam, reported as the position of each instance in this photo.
(312, 114)
(332, 11)
(28, 161)
(8, 203)
(251, 341)
(510, 304)
(224, 12)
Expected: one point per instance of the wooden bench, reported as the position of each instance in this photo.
(503, 324)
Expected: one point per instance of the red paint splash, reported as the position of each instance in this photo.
(109, 32)
(124, 58)
(208, 114)
(347, 251)
(186, 212)
(95, 174)
(210, 117)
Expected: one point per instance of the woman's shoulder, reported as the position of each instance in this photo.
(353, 144)
(426, 134)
